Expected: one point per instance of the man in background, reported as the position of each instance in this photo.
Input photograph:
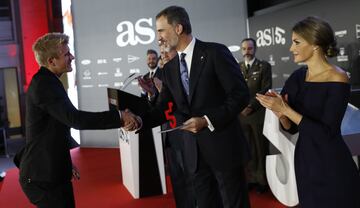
(149, 91)
(257, 74)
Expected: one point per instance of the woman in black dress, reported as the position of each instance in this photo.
(313, 102)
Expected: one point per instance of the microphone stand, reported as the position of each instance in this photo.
(125, 85)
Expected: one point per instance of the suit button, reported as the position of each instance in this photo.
(29, 180)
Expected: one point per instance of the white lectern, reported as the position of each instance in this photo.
(142, 163)
(142, 159)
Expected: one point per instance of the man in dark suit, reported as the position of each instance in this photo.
(207, 92)
(46, 169)
(257, 75)
(149, 91)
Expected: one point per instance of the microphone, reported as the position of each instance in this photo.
(132, 74)
(125, 85)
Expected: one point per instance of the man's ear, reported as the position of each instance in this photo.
(179, 29)
(50, 61)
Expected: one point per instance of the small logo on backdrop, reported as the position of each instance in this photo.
(271, 60)
(102, 73)
(342, 57)
(132, 58)
(103, 85)
(117, 60)
(285, 58)
(234, 48)
(101, 61)
(87, 74)
(341, 33)
(85, 62)
(118, 73)
(134, 70)
(357, 29)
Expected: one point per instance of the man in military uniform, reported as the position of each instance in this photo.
(257, 74)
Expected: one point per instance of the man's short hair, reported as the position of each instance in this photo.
(47, 46)
(151, 51)
(250, 39)
(176, 15)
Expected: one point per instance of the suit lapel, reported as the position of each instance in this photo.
(158, 73)
(197, 64)
(242, 68)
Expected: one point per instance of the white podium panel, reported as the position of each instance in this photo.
(142, 163)
(280, 171)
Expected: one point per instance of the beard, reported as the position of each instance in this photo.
(172, 43)
(152, 65)
(248, 57)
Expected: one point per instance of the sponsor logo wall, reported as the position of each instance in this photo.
(272, 32)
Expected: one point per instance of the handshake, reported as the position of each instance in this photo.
(130, 121)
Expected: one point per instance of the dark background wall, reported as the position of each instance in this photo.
(272, 30)
(256, 5)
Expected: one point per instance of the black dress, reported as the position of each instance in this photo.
(326, 174)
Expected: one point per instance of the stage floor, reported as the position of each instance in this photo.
(101, 185)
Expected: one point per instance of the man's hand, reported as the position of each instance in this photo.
(247, 111)
(131, 122)
(158, 84)
(195, 124)
(147, 85)
(75, 173)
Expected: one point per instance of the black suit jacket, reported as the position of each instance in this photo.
(259, 80)
(49, 116)
(218, 90)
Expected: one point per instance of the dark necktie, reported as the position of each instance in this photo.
(151, 75)
(184, 73)
(247, 68)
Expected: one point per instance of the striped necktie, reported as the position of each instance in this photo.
(184, 73)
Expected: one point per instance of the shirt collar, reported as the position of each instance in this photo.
(250, 62)
(153, 70)
(189, 49)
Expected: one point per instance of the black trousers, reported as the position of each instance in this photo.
(49, 195)
(217, 189)
(259, 146)
(180, 179)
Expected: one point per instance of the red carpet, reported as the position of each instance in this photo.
(100, 186)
